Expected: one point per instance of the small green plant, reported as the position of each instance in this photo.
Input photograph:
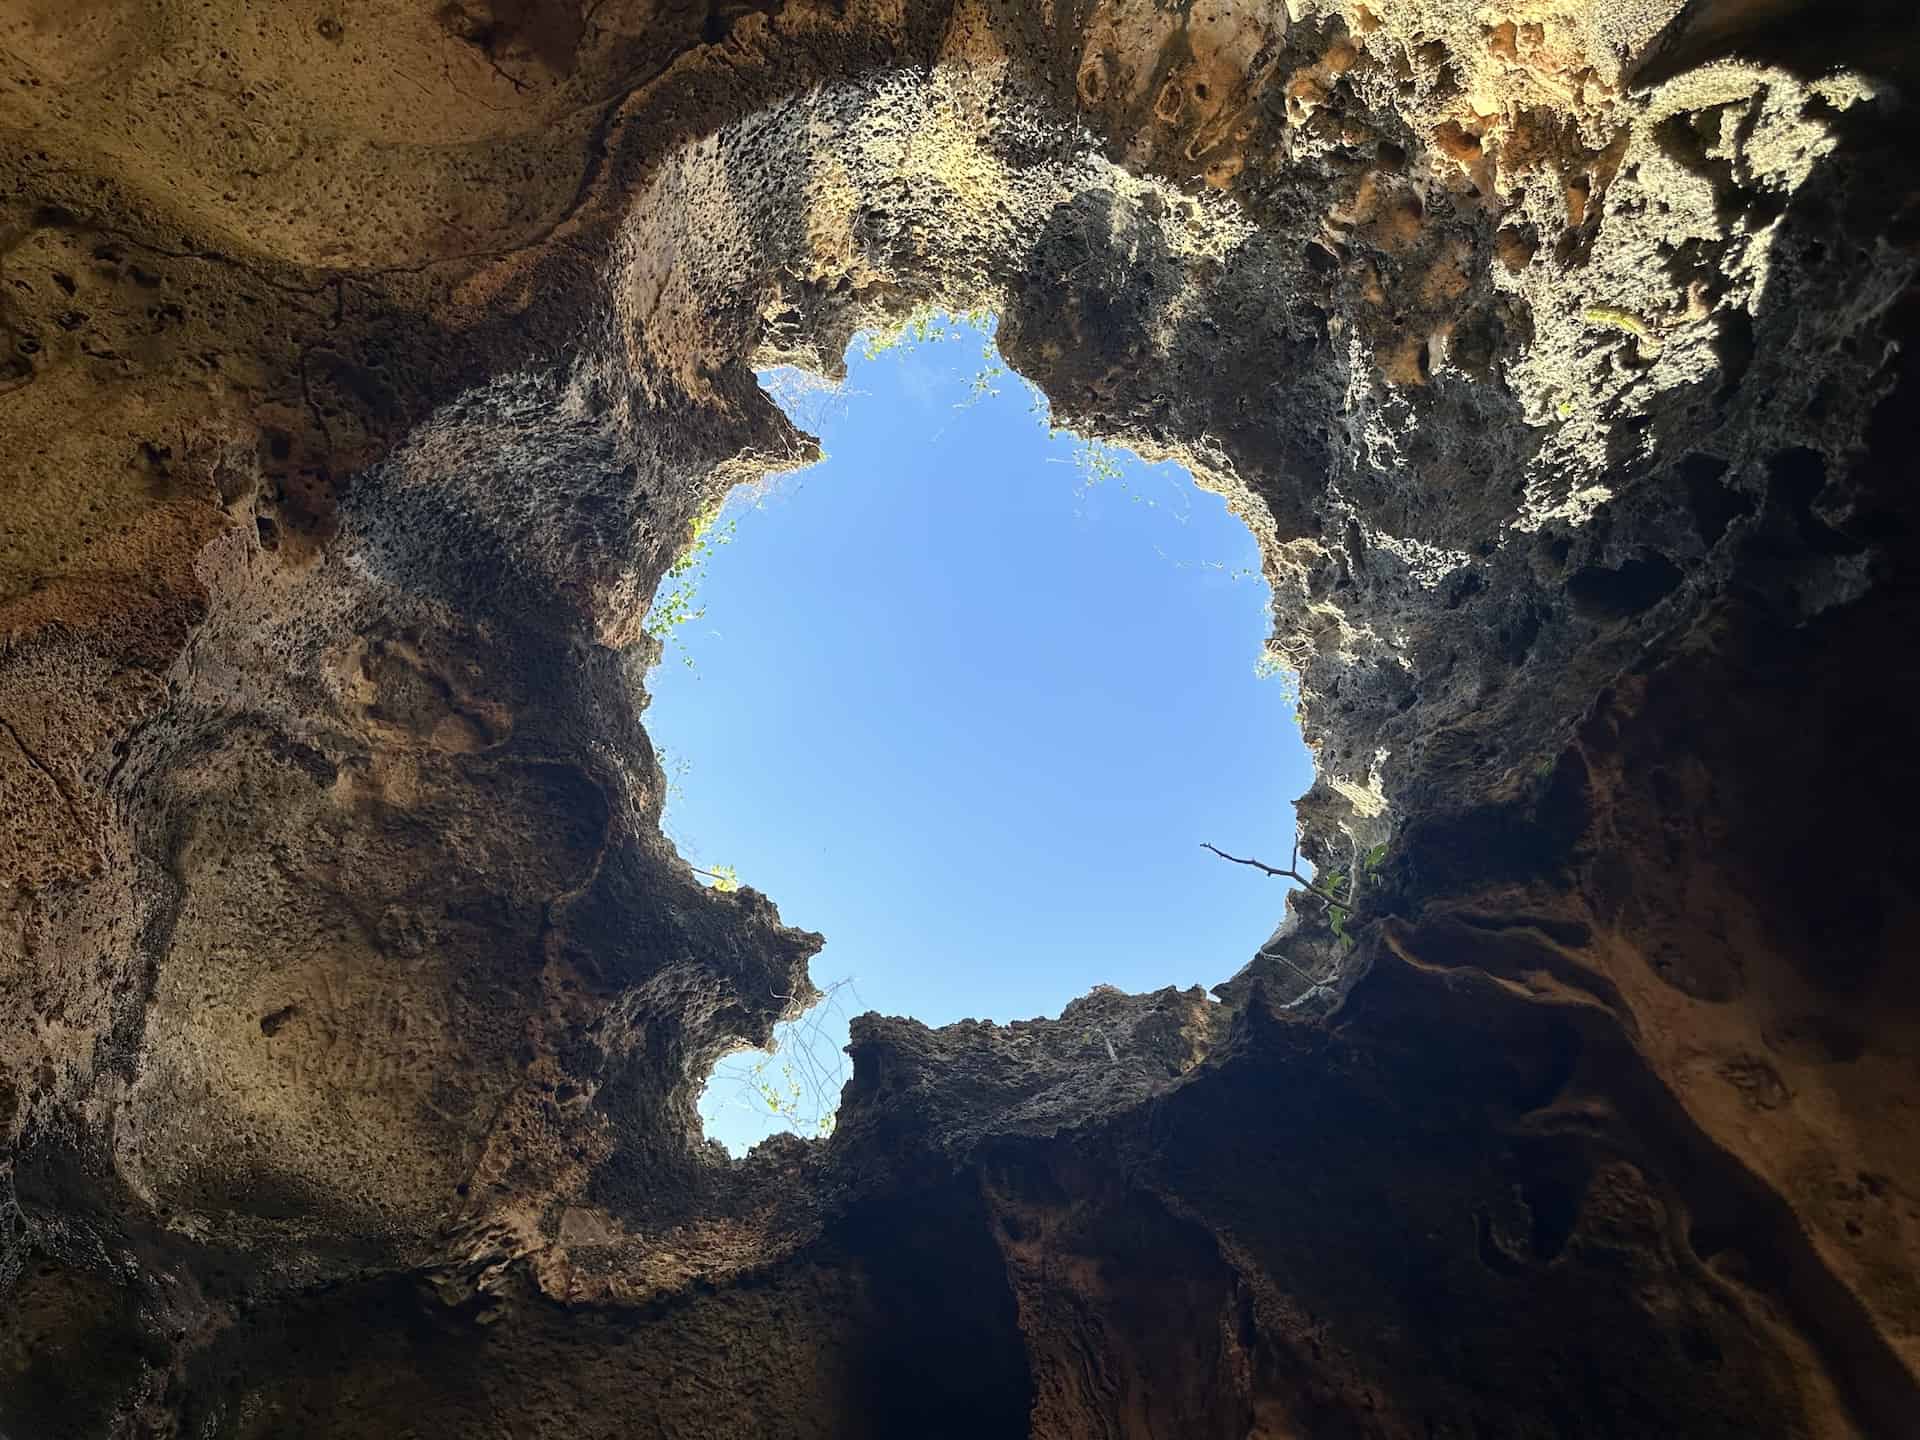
(797, 1079)
(986, 380)
(1339, 894)
(1335, 887)
(677, 602)
(783, 1097)
(725, 878)
(1337, 922)
(1266, 665)
(675, 767)
(1271, 667)
(1329, 892)
(928, 325)
(1101, 462)
(1098, 462)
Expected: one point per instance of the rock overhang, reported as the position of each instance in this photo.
(1544, 391)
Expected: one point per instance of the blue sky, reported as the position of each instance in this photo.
(967, 702)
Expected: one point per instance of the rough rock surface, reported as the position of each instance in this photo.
(365, 366)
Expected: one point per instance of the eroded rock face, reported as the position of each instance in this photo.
(367, 369)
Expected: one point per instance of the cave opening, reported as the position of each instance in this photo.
(966, 697)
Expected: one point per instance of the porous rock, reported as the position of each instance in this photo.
(365, 369)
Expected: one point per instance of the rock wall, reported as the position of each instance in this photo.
(367, 366)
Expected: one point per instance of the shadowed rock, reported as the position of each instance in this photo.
(365, 371)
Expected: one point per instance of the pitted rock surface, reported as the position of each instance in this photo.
(366, 367)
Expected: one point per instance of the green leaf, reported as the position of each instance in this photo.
(1337, 922)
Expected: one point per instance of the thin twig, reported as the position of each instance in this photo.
(1289, 874)
(1270, 955)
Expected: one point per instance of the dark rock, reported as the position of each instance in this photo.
(366, 373)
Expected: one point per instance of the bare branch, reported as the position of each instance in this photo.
(1288, 874)
(1271, 955)
(1256, 864)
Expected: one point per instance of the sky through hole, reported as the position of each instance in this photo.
(967, 697)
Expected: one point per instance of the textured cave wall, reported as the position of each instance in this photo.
(367, 366)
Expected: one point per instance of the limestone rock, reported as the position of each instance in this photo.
(364, 369)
